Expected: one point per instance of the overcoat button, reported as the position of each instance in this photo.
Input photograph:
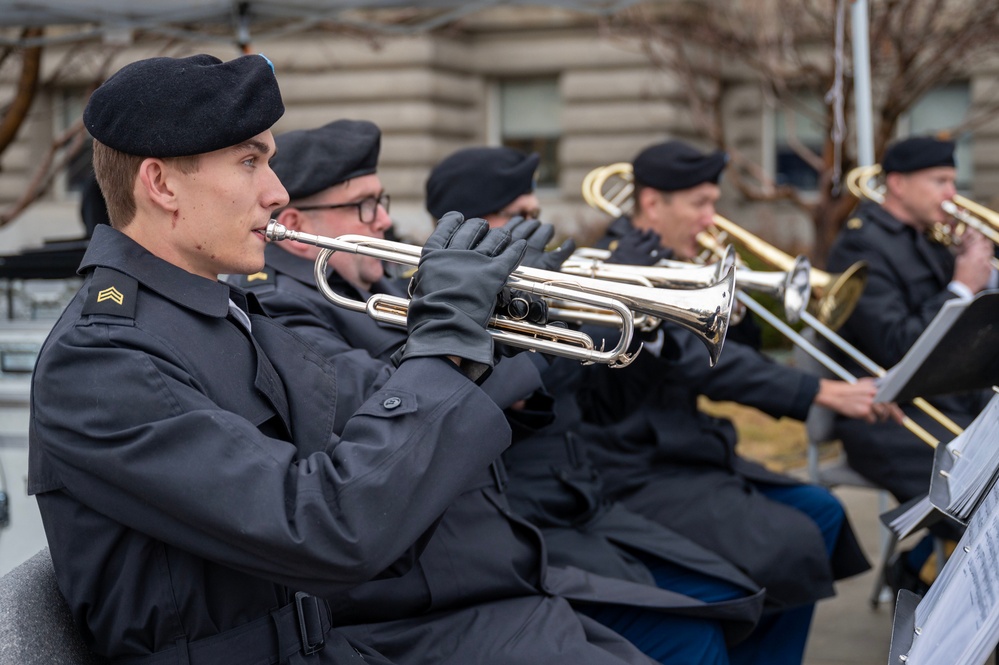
(392, 403)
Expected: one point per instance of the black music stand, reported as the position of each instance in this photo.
(954, 353)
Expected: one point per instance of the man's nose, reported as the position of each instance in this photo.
(382, 220)
(277, 195)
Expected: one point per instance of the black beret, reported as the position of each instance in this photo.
(311, 160)
(173, 107)
(480, 181)
(917, 153)
(675, 165)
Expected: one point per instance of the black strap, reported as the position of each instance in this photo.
(303, 625)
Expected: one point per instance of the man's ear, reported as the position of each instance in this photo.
(294, 219)
(648, 198)
(155, 184)
(895, 182)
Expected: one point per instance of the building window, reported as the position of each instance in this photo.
(801, 124)
(940, 110)
(529, 111)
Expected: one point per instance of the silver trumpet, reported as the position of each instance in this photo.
(704, 311)
(792, 288)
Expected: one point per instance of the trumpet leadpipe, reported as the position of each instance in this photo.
(393, 310)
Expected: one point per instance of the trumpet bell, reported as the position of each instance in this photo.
(793, 288)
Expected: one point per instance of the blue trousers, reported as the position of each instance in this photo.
(779, 638)
(667, 638)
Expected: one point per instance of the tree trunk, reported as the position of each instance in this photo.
(27, 86)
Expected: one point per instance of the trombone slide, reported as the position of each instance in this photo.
(825, 360)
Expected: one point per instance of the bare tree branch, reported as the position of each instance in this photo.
(66, 146)
(27, 84)
(787, 46)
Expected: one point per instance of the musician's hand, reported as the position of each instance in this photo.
(538, 234)
(463, 267)
(522, 306)
(972, 264)
(885, 411)
(518, 306)
(853, 400)
(638, 248)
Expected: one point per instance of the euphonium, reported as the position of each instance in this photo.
(704, 311)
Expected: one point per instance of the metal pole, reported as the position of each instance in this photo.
(862, 83)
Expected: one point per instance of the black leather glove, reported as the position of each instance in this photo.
(638, 248)
(538, 234)
(463, 268)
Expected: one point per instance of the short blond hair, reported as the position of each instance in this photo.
(116, 171)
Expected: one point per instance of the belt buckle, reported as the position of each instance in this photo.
(308, 648)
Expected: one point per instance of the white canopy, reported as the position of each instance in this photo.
(243, 20)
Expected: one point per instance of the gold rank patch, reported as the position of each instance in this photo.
(111, 293)
(262, 276)
(855, 223)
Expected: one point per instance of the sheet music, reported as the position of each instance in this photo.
(912, 519)
(895, 378)
(975, 458)
(958, 619)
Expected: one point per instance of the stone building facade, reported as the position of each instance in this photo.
(541, 78)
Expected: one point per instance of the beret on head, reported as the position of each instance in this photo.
(311, 160)
(675, 165)
(917, 153)
(480, 181)
(174, 107)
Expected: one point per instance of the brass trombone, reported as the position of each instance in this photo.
(837, 300)
(705, 311)
(611, 187)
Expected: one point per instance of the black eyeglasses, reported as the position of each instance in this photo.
(367, 208)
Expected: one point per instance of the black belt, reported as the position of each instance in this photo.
(299, 626)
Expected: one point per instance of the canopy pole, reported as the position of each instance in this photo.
(862, 83)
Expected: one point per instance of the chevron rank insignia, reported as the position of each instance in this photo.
(111, 292)
(261, 282)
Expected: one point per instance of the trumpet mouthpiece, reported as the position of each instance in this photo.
(275, 231)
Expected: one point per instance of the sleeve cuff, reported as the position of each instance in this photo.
(960, 290)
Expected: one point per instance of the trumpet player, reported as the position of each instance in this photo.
(667, 460)
(553, 484)
(203, 478)
(910, 278)
(482, 590)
